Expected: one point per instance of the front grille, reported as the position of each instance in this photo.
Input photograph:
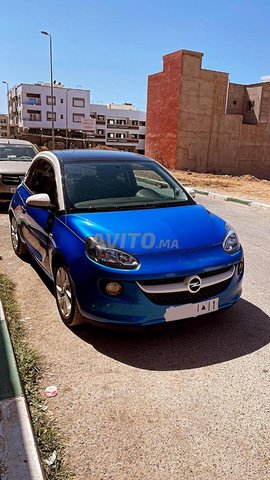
(11, 180)
(180, 298)
(168, 281)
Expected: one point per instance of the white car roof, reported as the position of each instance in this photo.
(14, 141)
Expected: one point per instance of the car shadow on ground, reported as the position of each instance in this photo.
(212, 339)
(4, 207)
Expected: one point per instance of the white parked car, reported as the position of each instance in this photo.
(15, 159)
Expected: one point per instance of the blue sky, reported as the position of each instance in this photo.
(110, 47)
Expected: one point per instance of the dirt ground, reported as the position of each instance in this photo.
(246, 186)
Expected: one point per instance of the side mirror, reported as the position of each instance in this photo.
(191, 192)
(39, 200)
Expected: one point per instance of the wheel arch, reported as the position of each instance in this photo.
(57, 259)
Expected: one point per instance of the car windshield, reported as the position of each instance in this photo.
(97, 186)
(15, 153)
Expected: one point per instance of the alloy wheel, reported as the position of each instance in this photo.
(14, 234)
(63, 292)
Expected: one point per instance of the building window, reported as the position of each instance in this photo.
(61, 116)
(134, 136)
(101, 117)
(77, 117)
(78, 102)
(61, 100)
(92, 115)
(49, 116)
(142, 124)
(111, 121)
(135, 122)
(142, 137)
(111, 135)
(120, 135)
(49, 100)
(234, 102)
(251, 104)
(100, 132)
(121, 122)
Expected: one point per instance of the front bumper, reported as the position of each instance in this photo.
(134, 308)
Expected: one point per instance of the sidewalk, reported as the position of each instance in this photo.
(244, 201)
(19, 458)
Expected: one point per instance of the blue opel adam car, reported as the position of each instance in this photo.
(122, 240)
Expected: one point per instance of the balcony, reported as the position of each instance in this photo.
(31, 101)
(32, 118)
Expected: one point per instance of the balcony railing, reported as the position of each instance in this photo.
(32, 118)
(32, 101)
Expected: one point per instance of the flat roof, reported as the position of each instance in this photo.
(14, 141)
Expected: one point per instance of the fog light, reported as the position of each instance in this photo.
(241, 266)
(114, 289)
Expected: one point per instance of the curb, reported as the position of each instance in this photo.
(243, 201)
(19, 457)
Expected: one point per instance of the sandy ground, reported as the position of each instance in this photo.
(190, 403)
(247, 186)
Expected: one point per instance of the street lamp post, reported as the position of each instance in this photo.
(51, 68)
(8, 125)
(67, 90)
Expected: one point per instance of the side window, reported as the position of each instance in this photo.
(41, 179)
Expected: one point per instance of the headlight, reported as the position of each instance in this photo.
(231, 242)
(100, 252)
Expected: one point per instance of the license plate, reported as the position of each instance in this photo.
(191, 310)
(13, 189)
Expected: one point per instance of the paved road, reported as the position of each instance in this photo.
(187, 403)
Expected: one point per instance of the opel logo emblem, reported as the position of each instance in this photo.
(194, 284)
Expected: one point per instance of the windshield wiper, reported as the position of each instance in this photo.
(135, 206)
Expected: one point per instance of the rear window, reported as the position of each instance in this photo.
(22, 153)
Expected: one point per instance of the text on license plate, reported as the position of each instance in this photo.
(191, 310)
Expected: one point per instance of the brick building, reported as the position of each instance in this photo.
(199, 121)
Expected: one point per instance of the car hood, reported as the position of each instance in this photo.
(16, 168)
(157, 230)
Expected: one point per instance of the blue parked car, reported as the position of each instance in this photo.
(122, 240)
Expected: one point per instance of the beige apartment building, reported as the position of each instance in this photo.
(118, 126)
(199, 121)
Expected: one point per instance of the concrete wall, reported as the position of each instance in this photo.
(198, 121)
(235, 101)
(202, 96)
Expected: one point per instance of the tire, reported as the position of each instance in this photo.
(65, 297)
(18, 247)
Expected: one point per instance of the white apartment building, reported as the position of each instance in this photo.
(3, 124)
(30, 108)
(119, 126)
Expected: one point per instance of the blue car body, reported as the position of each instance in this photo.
(171, 245)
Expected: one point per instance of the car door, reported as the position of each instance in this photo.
(36, 223)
